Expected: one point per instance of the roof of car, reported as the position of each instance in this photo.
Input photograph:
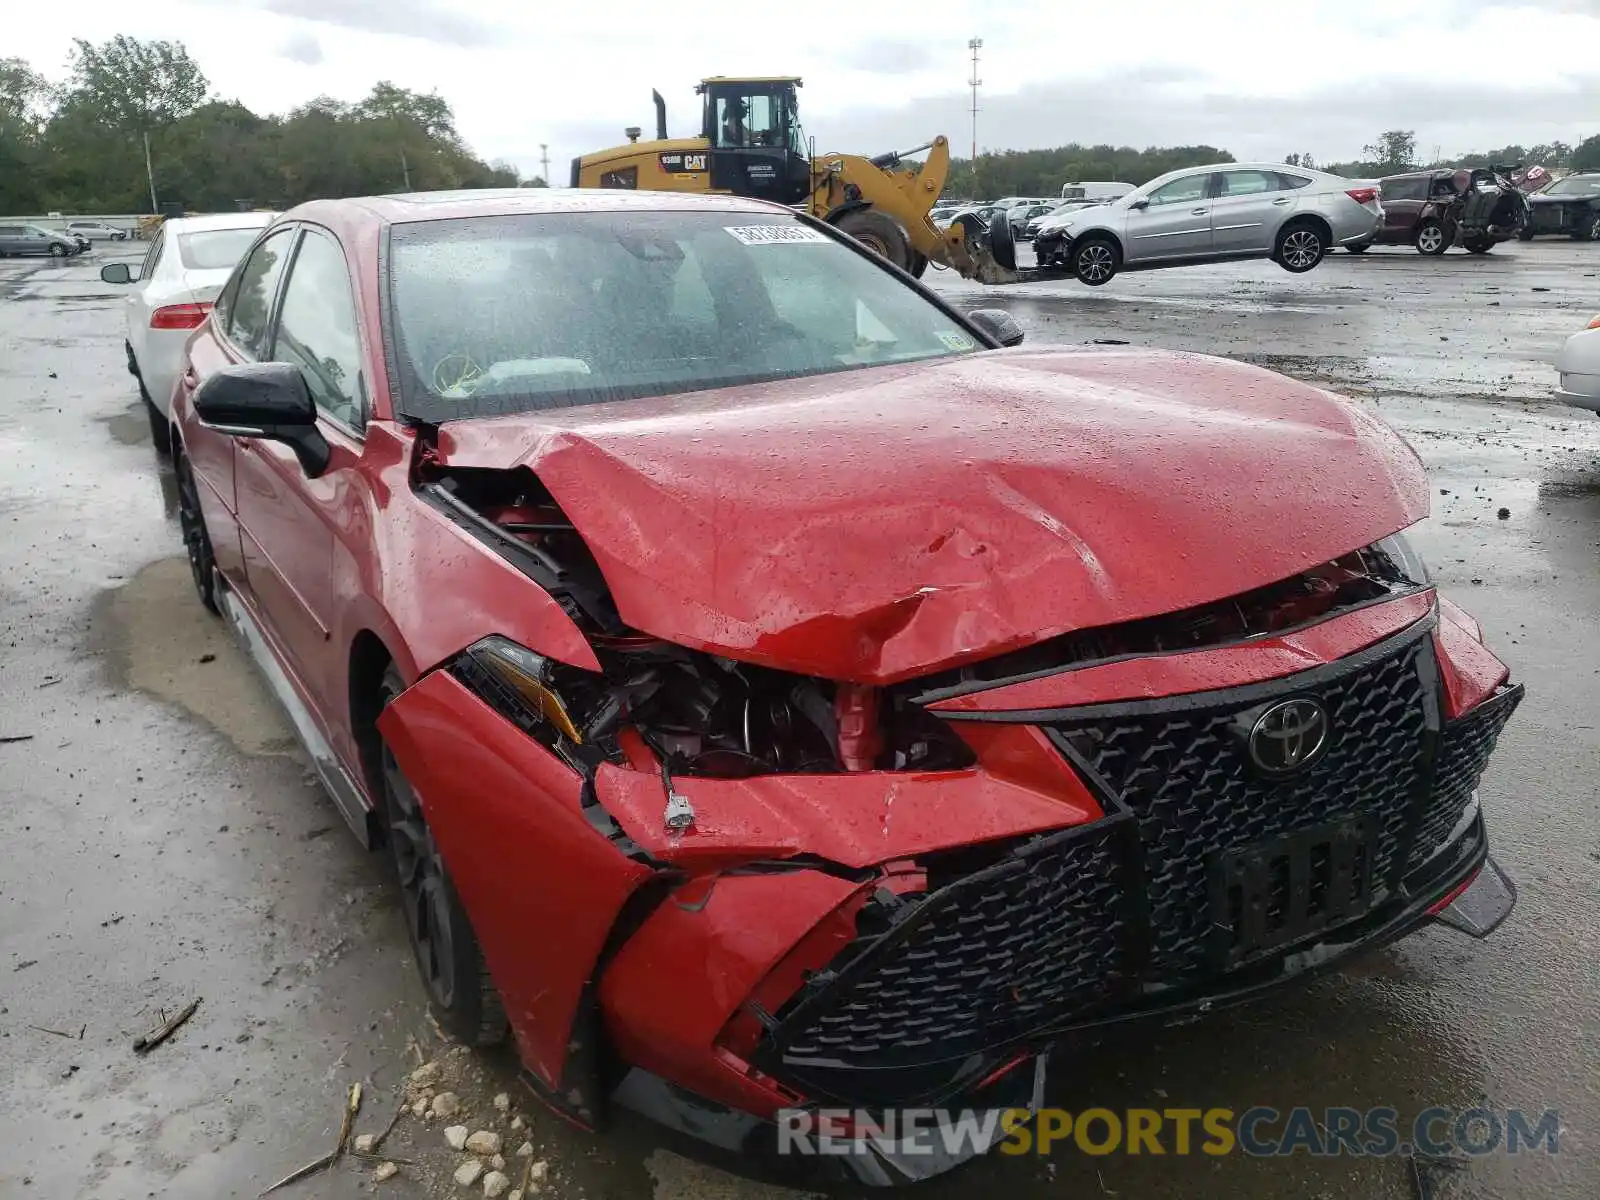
(499, 202)
(237, 220)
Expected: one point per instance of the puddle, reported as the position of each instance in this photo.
(160, 641)
(130, 428)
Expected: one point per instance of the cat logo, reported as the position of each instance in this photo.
(678, 164)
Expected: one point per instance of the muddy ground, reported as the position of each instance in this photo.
(162, 839)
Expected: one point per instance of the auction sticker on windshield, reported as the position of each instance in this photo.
(772, 235)
(956, 341)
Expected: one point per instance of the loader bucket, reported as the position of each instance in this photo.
(990, 249)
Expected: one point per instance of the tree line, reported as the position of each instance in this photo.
(1395, 151)
(1042, 172)
(81, 146)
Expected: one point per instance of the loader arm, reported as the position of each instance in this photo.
(907, 193)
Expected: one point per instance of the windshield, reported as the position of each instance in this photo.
(520, 313)
(215, 249)
(1575, 185)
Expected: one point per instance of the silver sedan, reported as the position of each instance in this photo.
(1578, 365)
(1212, 214)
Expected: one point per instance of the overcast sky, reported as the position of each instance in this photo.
(1260, 78)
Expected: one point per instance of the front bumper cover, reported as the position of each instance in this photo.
(1462, 887)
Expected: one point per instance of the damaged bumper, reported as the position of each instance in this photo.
(1464, 889)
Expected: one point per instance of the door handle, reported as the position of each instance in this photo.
(1198, 212)
(1281, 200)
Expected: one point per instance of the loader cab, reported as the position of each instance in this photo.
(756, 145)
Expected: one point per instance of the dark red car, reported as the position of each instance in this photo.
(773, 692)
(1432, 210)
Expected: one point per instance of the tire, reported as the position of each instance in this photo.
(1358, 247)
(1096, 261)
(160, 428)
(1589, 231)
(879, 233)
(1478, 245)
(196, 540)
(1301, 246)
(1525, 234)
(57, 250)
(919, 265)
(1432, 238)
(449, 961)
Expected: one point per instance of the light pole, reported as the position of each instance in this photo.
(974, 44)
(150, 174)
(544, 163)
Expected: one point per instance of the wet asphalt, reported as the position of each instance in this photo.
(161, 839)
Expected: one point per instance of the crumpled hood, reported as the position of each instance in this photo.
(879, 524)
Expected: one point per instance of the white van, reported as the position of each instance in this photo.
(1099, 192)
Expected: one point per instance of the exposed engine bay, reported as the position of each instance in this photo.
(695, 713)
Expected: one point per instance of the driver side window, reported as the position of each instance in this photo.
(318, 331)
(1180, 191)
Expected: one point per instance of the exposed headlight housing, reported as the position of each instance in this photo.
(1404, 557)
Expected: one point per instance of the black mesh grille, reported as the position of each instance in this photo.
(1463, 753)
(1088, 918)
(985, 959)
(1187, 778)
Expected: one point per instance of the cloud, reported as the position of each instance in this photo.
(888, 56)
(424, 19)
(302, 47)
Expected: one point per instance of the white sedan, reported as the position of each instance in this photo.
(1578, 365)
(189, 260)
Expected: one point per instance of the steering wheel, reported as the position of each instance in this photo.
(455, 373)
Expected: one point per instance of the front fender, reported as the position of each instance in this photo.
(541, 886)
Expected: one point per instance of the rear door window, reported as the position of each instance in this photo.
(1248, 183)
(1405, 189)
(250, 309)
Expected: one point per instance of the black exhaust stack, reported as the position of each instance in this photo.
(661, 115)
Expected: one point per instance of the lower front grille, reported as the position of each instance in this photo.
(1464, 752)
(1080, 922)
(980, 961)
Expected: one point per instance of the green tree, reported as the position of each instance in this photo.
(134, 86)
(1394, 151)
(1586, 157)
(22, 91)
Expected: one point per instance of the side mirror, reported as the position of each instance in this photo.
(1141, 204)
(998, 324)
(116, 273)
(266, 400)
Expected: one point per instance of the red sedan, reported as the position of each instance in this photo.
(774, 691)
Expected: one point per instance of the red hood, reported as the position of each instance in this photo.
(880, 524)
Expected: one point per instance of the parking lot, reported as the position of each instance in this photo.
(164, 841)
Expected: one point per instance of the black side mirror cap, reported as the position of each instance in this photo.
(1140, 203)
(116, 273)
(998, 324)
(266, 400)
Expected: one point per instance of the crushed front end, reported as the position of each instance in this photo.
(776, 890)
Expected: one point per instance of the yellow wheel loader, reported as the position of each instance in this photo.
(751, 144)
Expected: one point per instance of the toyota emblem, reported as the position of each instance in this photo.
(1289, 736)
